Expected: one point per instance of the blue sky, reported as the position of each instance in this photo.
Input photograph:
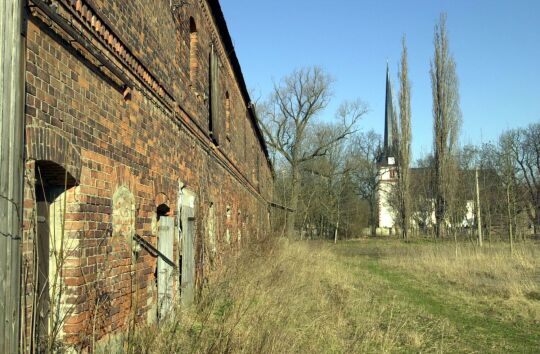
(495, 43)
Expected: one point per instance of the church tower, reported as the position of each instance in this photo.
(387, 163)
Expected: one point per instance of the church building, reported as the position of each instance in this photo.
(388, 168)
(388, 171)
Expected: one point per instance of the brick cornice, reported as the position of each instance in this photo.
(82, 12)
(88, 15)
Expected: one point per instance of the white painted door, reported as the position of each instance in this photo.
(188, 256)
(164, 268)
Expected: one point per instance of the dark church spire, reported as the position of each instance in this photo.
(388, 119)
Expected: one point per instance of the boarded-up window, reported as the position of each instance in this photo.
(193, 50)
(123, 215)
(227, 115)
(216, 122)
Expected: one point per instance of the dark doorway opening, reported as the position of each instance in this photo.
(163, 210)
(52, 181)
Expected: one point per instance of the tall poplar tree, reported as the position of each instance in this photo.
(447, 119)
(404, 155)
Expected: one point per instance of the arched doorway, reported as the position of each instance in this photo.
(54, 245)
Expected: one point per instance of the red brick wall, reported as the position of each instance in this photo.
(147, 139)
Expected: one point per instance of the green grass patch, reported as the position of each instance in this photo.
(474, 329)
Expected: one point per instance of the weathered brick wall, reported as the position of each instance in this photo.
(145, 139)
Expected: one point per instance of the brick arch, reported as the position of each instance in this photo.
(165, 191)
(44, 144)
(161, 198)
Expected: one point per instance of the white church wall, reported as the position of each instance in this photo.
(386, 213)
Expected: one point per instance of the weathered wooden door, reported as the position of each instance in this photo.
(164, 268)
(42, 282)
(50, 233)
(188, 255)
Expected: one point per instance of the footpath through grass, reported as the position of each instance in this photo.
(366, 296)
(502, 317)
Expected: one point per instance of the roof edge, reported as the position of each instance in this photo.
(219, 17)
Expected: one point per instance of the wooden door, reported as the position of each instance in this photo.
(188, 256)
(42, 283)
(164, 268)
(49, 220)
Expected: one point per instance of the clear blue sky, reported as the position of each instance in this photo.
(496, 44)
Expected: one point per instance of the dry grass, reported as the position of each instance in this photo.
(509, 283)
(488, 296)
(490, 270)
(296, 298)
(369, 296)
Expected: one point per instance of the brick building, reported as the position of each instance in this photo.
(144, 162)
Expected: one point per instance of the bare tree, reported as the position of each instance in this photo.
(526, 153)
(329, 206)
(331, 171)
(404, 157)
(447, 118)
(508, 169)
(421, 185)
(491, 188)
(367, 151)
(291, 115)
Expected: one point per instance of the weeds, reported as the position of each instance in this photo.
(292, 298)
(312, 297)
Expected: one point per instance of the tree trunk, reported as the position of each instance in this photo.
(337, 225)
(489, 228)
(509, 219)
(478, 212)
(536, 224)
(372, 216)
(320, 228)
(295, 192)
(439, 218)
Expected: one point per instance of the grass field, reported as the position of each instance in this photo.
(363, 296)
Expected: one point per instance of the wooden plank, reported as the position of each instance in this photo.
(11, 166)
(165, 270)
(42, 278)
(188, 255)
